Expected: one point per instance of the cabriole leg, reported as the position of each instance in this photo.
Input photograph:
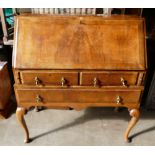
(134, 113)
(20, 112)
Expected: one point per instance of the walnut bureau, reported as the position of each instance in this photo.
(79, 62)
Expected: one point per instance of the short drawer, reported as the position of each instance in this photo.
(49, 78)
(108, 78)
(83, 97)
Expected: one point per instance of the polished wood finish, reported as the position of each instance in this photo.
(49, 78)
(99, 43)
(88, 97)
(5, 90)
(20, 112)
(109, 78)
(79, 62)
(134, 113)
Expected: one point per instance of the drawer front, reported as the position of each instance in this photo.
(108, 78)
(49, 78)
(65, 97)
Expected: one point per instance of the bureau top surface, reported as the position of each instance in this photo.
(79, 42)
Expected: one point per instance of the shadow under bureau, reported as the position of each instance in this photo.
(79, 62)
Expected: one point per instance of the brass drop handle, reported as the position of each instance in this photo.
(95, 82)
(38, 99)
(37, 80)
(123, 81)
(118, 100)
(63, 81)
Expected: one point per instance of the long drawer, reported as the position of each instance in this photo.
(49, 78)
(66, 97)
(111, 78)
